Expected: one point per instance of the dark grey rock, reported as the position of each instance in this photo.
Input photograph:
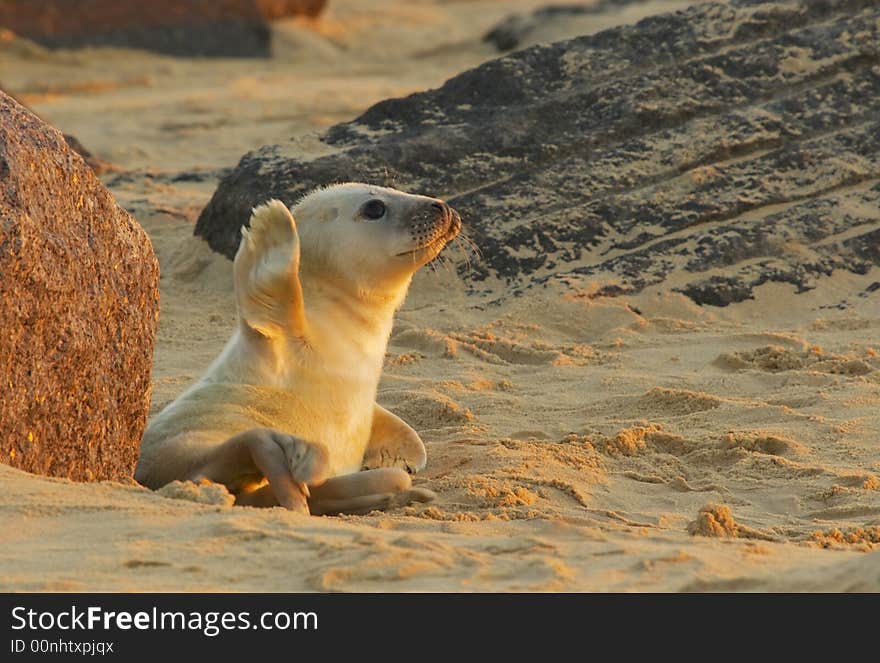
(731, 144)
(519, 30)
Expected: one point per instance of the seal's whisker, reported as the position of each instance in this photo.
(441, 261)
(471, 244)
(466, 258)
(468, 248)
(447, 264)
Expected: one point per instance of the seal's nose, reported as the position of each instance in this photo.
(441, 207)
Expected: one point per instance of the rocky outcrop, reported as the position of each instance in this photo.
(78, 286)
(563, 21)
(96, 164)
(713, 150)
(231, 28)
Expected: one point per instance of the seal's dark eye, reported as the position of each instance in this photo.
(373, 209)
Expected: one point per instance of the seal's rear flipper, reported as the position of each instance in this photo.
(266, 271)
(363, 504)
(362, 492)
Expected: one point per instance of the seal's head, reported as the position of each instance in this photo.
(374, 235)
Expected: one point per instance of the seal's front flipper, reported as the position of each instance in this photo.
(266, 271)
(393, 443)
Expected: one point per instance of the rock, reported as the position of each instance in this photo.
(228, 28)
(513, 31)
(721, 147)
(564, 21)
(78, 286)
(98, 165)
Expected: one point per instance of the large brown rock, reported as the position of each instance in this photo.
(78, 310)
(178, 27)
(95, 163)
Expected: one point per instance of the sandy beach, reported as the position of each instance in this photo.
(577, 443)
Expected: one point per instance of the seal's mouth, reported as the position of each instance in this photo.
(433, 235)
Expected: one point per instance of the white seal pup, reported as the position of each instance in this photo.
(287, 413)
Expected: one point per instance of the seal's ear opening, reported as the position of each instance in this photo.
(266, 273)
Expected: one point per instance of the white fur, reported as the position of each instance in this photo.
(316, 299)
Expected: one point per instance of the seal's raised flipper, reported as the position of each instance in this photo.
(266, 271)
(394, 443)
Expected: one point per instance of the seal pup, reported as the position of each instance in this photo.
(287, 414)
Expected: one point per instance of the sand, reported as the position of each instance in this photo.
(630, 444)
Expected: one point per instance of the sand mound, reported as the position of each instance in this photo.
(205, 492)
(716, 520)
(774, 358)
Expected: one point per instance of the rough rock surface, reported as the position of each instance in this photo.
(78, 309)
(178, 27)
(544, 24)
(710, 150)
(98, 165)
